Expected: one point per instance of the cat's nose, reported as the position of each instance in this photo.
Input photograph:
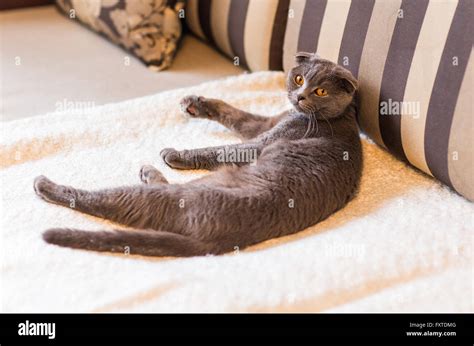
(300, 98)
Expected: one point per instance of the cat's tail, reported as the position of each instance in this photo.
(145, 243)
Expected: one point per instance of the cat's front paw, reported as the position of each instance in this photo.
(174, 159)
(195, 107)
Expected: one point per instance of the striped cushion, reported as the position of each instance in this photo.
(413, 60)
(250, 32)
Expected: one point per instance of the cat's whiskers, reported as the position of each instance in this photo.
(315, 122)
(309, 126)
(312, 121)
(317, 125)
(309, 120)
(330, 126)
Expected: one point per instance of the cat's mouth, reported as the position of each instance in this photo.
(318, 113)
(303, 108)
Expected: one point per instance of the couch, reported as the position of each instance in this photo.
(403, 244)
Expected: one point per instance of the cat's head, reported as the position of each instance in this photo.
(320, 87)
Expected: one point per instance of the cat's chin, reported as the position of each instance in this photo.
(301, 110)
(297, 107)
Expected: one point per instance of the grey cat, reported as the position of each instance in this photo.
(309, 166)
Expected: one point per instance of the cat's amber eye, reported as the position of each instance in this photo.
(299, 79)
(321, 92)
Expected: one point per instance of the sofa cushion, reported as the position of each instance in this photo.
(412, 58)
(249, 32)
(149, 29)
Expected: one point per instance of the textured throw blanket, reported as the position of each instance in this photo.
(403, 244)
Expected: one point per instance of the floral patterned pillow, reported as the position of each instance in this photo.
(149, 29)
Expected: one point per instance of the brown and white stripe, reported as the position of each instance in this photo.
(192, 18)
(460, 153)
(332, 28)
(372, 63)
(445, 94)
(219, 25)
(257, 47)
(422, 75)
(355, 31)
(403, 52)
(250, 30)
(396, 70)
(295, 15)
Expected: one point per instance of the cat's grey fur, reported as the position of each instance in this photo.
(309, 166)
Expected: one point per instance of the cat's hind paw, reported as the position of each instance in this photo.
(42, 186)
(150, 175)
(52, 192)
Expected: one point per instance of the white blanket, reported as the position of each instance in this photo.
(403, 244)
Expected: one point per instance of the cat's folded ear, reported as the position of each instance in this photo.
(347, 80)
(302, 57)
